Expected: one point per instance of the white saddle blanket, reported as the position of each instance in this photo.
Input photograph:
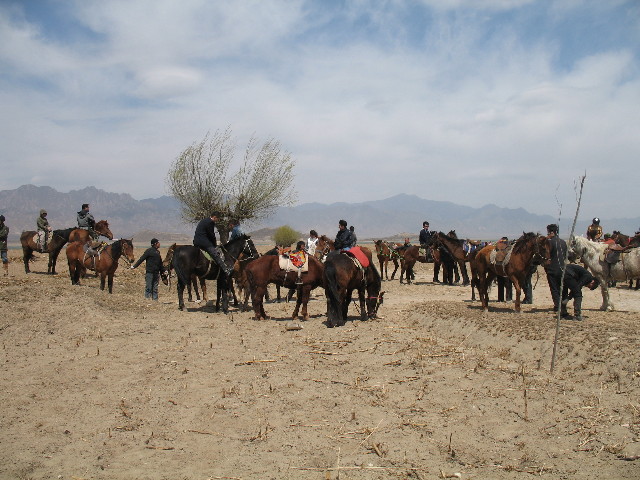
(287, 266)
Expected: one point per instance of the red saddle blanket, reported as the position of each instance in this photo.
(359, 254)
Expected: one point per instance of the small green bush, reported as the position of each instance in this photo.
(285, 236)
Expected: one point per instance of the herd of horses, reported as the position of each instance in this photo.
(339, 273)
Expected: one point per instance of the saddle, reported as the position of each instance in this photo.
(612, 254)
(293, 262)
(358, 254)
(501, 254)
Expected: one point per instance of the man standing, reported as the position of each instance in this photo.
(153, 270)
(43, 230)
(344, 238)
(4, 233)
(86, 221)
(205, 238)
(556, 263)
(576, 277)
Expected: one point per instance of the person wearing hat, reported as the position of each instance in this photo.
(594, 231)
(4, 233)
(556, 263)
(153, 270)
(43, 230)
(344, 237)
(205, 238)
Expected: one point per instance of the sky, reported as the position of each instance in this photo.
(505, 102)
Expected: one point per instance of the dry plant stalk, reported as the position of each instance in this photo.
(524, 388)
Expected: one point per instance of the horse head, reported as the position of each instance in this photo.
(166, 263)
(102, 227)
(127, 249)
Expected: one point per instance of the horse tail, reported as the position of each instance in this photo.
(183, 277)
(334, 313)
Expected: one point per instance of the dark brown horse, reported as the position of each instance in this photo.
(342, 275)
(455, 248)
(189, 260)
(408, 258)
(105, 264)
(386, 254)
(528, 248)
(323, 247)
(168, 265)
(57, 240)
(266, 269)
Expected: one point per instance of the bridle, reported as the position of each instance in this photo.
(537, 252)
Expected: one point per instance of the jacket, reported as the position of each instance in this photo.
(154, 260)
(344, 239)
(85, 220)
(579, 274)
(4, 233)
(558, 254)
(42, 222)
(425, 236)
(205, 235)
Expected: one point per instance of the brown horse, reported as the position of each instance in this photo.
(57, 240)
(342, 275)
(266, 269)
(455, 248)
(106, 263)
(323, 247)
(408, 258)
(386, 254)
(528, 248)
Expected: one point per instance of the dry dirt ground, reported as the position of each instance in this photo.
(99, 386)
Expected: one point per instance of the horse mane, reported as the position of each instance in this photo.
(116, 247)
(523, 241)
(64, 232)
(457, 240)
(102, 222)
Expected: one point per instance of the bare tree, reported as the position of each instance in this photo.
(201, 180)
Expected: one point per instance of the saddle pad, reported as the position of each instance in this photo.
(359, 255)
(286, 264)
(501, 257)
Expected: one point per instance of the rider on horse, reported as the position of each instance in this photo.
(205, 238)
(86, 221)
(425, 235)
(594, 231)
(344, 238)
(43, 229)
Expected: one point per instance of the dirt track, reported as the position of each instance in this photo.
(113, 386)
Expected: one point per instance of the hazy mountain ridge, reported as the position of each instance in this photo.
(385, 218)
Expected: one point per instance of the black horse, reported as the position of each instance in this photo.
(189, 260)
(341, 277)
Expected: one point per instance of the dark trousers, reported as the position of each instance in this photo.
(152, 280)
(505, 286)
(528, 285)
(554, 287)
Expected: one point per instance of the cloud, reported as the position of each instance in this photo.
(446, 100)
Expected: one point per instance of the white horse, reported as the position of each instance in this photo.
(593, 253)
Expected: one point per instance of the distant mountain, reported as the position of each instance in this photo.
(389, 218)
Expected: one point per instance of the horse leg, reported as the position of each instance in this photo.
(26, 255)
(465, 275)
(363, 306)
(395, 269)
(110, 282)
(103, 278)
(517, 282)
(180, 288)
(218, 295)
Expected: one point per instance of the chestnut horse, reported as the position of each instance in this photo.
(341, 277)
(528, 248)
(57, 240)
(386, 254)
(408, 258)
(266, 269)
(106, 263)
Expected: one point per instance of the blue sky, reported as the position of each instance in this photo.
(501, 101)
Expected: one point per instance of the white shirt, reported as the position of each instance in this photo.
(311, 245)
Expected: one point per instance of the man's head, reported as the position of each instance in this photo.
(596, 221)
(342, 224)
(215, 216)
(43, 213)
(85, 207)
(425, 224)
(2, 218)
(593, 284)
(300, 245)
(313, 234)
(552, 229)
(233, 222)
(155, 243)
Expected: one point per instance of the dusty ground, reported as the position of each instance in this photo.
(113, 386)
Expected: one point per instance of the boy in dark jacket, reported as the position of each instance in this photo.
(153, 270)
(576, 277)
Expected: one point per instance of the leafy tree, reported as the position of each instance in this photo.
(285, 236)
(201, 180)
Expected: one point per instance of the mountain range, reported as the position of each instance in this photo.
(391, 218)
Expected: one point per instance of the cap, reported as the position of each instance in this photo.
(596, 220)
(154, 241)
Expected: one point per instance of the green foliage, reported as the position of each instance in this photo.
(285, 236)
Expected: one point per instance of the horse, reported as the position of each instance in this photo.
(455, 248)
(323, 247)
(593, 256)
(58, 240)
(342, 275)
(266, 269)
(188, 260)
(527, 248)
(167, 264)
(106, 263)
(408, 258)
(384, 254)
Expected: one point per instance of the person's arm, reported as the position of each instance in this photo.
(142, 258)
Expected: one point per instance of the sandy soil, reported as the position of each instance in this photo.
(99, 386)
